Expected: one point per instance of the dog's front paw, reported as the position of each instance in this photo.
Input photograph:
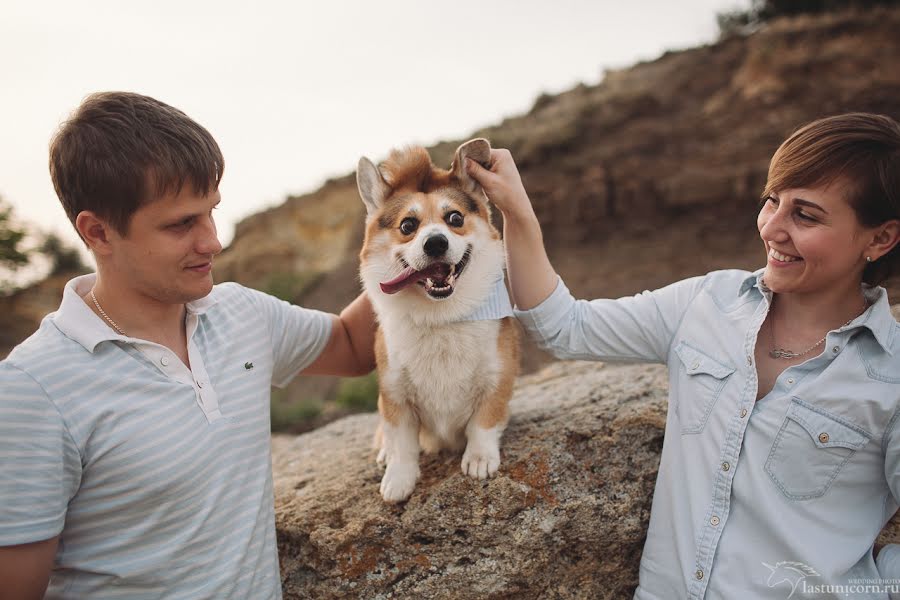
(480, 463)
(399, 480)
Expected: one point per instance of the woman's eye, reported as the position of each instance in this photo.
(805, 216)
(455, 219)
(408, 225)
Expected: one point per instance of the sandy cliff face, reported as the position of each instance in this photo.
(649, 177)
(652, 176)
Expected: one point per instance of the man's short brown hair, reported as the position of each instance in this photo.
(860, 151)
(120, 150)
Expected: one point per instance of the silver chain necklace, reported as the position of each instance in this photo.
(106, 316)
(788, 354)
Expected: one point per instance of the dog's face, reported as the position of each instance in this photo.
(429, 239)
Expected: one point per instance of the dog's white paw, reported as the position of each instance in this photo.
(381, 459)
(480, 463)
(399, 480)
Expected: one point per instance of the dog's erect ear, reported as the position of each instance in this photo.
(478, 150)
(373, 189)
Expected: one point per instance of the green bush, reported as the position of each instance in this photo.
(12, 255)
(358, 393)
(761, 11)
(289, 286)
(284, 415)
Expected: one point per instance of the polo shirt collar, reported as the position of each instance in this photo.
(877, 318)
(77, 321)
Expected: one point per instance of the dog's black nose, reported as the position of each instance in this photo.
(436, 245)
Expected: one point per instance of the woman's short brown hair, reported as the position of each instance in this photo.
(860, 150)
(120, 150)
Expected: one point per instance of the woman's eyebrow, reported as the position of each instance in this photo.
(803, 202)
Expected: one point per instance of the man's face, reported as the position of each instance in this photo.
(167, 252)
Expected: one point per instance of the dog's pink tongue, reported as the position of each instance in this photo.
(410, 276)
(407, 277)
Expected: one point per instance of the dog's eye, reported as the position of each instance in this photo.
(454, 219)
(408, 225)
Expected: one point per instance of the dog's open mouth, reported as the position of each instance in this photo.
(438, 278)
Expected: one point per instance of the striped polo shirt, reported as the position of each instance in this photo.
(156, 477)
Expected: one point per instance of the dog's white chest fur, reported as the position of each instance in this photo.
(442, 371)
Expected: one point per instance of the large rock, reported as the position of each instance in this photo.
(565, 517)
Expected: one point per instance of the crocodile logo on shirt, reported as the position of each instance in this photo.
(248, 365)
(789, 572)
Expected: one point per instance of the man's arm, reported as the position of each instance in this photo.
(351, 348)
(25, 569)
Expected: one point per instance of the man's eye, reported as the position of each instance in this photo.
(408, 225)
(183, 224)
(455, 219)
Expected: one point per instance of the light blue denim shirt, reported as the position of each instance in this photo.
(754, 499)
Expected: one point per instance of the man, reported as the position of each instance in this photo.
(134, 424)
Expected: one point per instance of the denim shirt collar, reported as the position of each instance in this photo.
(77, 321)
(877, 318)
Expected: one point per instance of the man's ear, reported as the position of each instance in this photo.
(94, 231)
(478, 150)
(887, 235)
(373, 189)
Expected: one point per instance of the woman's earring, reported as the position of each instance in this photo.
(868, 259)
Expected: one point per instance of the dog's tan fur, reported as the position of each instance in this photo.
(445, 382)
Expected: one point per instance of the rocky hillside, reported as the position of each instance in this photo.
(651, 176)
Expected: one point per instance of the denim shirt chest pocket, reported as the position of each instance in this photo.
(810, 449)
(699, 383)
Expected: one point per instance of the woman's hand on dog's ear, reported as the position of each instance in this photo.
(502, 183)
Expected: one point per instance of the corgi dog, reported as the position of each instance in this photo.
(431, 263)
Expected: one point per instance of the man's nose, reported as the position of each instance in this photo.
(208, 243)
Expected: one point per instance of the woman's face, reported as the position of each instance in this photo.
(814, 242)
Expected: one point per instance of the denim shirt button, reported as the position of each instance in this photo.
(698, 574)
(743, 412)
(836, 349)
(725, 466)
(823, 437)
(714, 521)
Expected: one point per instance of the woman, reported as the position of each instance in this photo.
(781, 460)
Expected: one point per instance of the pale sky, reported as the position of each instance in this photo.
(297, 91)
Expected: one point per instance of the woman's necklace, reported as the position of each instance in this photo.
(786, 354)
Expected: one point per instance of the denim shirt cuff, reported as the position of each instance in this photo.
(543, 321)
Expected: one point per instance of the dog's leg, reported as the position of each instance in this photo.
(429, 442)
(378, 444)
(482, 456)
(400, 436)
